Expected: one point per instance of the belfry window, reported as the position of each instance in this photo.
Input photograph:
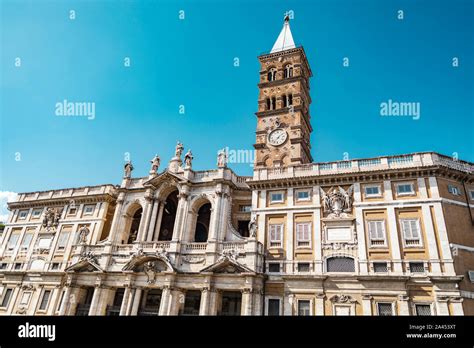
(288, 71)
(290, 99)
(285, 101)
(268, 103)
(271, 76)
(273, 106)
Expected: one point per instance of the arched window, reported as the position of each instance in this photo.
(290, 99)
(134, 226)
(274, 103)
(271, 76)
(169, 216)
(284, 101)
(288, 72)
(340, 264)
(268, 103)
(202, 224)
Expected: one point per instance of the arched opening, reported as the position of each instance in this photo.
(201, 231)
(274, 103)
(285, 102)
(288, 71)
(271, 76)
(268, 103)
(134, 226)
(169, 216)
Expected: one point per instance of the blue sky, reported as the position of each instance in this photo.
(190, 62)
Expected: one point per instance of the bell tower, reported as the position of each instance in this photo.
(283, 121)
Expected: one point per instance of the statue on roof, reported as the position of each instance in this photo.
(188, 158)
(128, 170)
(222, 159)
(179, 150)
(155, 164)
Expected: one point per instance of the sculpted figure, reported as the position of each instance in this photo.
(179, 150)
(188, 159)
(222, 159)
(128, 170)
(155, 164)
(253, 228)
(83, 233)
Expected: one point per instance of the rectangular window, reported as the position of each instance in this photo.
(89, 209)
(303, 267)
(36, 213)
(304, 307)
(276, 233)
(376, 230)
(17, 266)
(405, 189)
(6, 298)
(274, 267)
(417, 267)
(23, 214)
(372, 191)
(25, 298)
(422, 309)
(303, 235)
(45, 300)
(25, 243)
(55, 266)
(303, 195)
(411, 232)
(384, 309)
(454, 190)
(273, 306)
(276, 197)
(44, 243)
(63, 239)
(245, 208)
(72, 210)
(380, 267)
(13, 240)
(471, 193)
(3, 266)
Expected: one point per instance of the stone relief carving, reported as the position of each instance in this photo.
(337, 202)
(83, 233)
(229, 254)
(51, 219)
(194, 259)
(150, 270)
(88, 256)
(342, 299)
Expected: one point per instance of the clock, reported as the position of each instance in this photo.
(277, 137)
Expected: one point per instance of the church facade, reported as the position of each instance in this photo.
(392, 235)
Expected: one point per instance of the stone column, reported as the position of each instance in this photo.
(214, 299)
(443, 238)
(394, 242)
(403, 308)
(431, 240)
(441, 304)
(65, 300)
(95, 300)
(246, 306)
(165, 301)
(257, 302)
(151, 227)
(290, 237)
(176, 300)
(114, 228)
(320, 304)
(456, 305)
(367, 304)
(181, 212)
(205, 297)
(145, 220)
(362, 246)
(288, 304)
(127, 297)
(136, 301)
(157, 227)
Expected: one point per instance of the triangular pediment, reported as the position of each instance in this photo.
(227, 265)
(165, 176)
(84, 266)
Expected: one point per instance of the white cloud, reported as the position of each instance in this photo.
(5, 197)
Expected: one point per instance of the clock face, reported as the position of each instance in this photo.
(277, 137)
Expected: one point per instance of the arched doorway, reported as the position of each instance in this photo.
(169, 216)
(201, 231)
(134, 226)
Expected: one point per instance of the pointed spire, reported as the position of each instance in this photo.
(285, 39)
